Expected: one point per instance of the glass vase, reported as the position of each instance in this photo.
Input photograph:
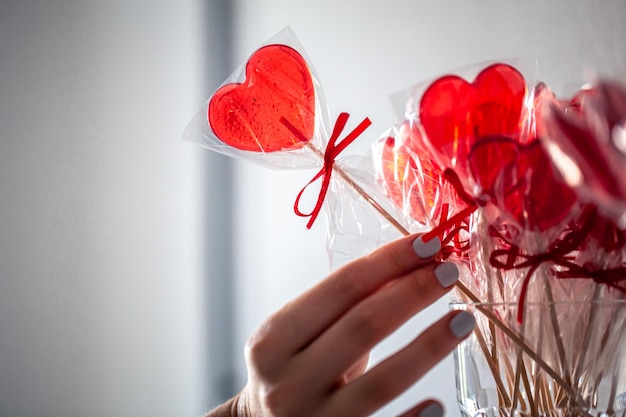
(563, 359)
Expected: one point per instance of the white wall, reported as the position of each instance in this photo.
(363, 51)
(101, 287)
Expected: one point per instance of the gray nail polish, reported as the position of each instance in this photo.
(462, 324)
(447, 274)
(432, 410)
(426, 250)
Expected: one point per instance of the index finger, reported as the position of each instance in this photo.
(305, 318)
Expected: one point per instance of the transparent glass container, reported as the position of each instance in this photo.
(564, 359)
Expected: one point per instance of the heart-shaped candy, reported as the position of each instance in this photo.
(411, 179)
(488, 160)
(248, 115)
(521, 180)
(455, 113)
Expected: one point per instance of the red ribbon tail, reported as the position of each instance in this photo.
(330, 154)
(452, 221)
(296, 204)
(523, 292)
(320, 198)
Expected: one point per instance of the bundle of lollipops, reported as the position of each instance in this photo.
(522, 187)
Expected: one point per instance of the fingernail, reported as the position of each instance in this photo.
(432, 410)
(447, 274)
(462, 324)
(426, 250)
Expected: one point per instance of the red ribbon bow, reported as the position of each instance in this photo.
(457, 222)
(610, 277)
(558, 253)
(333, 149)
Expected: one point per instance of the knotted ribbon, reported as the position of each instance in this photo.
(610, 276)
(457, 222)
(333, 149)
(558, 252)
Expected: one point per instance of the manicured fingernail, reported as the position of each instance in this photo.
(426, 250)
(447, 274)
(462, 324)
(432, 410)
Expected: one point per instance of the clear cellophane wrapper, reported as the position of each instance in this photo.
(524, 190)
(485, 133)
(251, 102)
(586, 136)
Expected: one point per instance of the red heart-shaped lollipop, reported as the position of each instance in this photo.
(522, 181)
(278, 85)
(455, 113)
(411, 179)
(488, 159)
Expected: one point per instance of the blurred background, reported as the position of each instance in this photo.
(133, 265)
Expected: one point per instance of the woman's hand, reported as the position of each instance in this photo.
(310, 357)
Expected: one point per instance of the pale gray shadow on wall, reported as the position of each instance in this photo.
(115, 275)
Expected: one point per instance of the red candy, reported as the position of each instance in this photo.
(522, 181)
(278, 84)
(455, 113)
(476, 129)
(411, 182)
